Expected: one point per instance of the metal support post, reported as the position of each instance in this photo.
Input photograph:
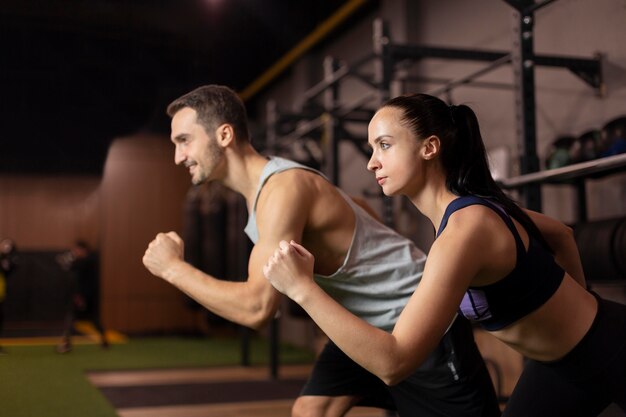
(383, 78)
(523, 61)
(331, 123)
(274, 347)
(581, 196)
(384, 65)
(271, 120)
(244, 338)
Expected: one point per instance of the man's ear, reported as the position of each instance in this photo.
(430, 147)
(225, 135)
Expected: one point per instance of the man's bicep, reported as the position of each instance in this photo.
(271, 233)
(283, 219)
(258, 258)
(282, 214)
(267, 298)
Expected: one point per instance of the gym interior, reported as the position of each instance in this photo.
(86, 155)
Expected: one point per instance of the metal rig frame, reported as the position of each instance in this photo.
(326, 122)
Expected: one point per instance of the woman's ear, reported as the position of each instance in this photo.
(225, 135)
(430, 147)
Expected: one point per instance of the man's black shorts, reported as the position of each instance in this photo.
(453, 381)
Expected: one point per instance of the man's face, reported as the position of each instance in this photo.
(196, 149)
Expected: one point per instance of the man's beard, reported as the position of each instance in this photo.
(213, 157)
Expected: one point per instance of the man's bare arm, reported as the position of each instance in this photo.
(281, 214)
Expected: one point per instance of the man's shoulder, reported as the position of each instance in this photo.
(297, 177)
(295, 189)
(279, 183)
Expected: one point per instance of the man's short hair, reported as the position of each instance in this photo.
(214, 105)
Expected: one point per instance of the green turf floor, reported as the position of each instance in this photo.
(35, 381)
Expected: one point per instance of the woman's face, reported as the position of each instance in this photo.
(395, 156)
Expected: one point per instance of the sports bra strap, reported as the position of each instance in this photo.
(470, 200)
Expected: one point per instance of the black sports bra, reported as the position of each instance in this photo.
(535, 278)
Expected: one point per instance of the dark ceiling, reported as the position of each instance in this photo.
(74, 74)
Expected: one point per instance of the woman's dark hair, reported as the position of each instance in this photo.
(214, 105)
(462, 155)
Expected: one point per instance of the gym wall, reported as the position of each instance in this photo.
(140, 193)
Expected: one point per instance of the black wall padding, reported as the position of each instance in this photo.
(38, 290)
(619, 247)
(602, 246)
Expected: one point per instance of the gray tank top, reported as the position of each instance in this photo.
(381, 270)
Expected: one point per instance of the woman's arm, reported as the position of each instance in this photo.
(452, 264)
(560, 237)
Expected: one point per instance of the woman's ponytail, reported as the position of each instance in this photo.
(463, 155)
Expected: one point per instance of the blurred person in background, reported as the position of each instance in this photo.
(7, 265)
(82, 262)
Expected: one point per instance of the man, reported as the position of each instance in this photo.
(367, 267)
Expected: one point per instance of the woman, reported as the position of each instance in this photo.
(515, 272)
